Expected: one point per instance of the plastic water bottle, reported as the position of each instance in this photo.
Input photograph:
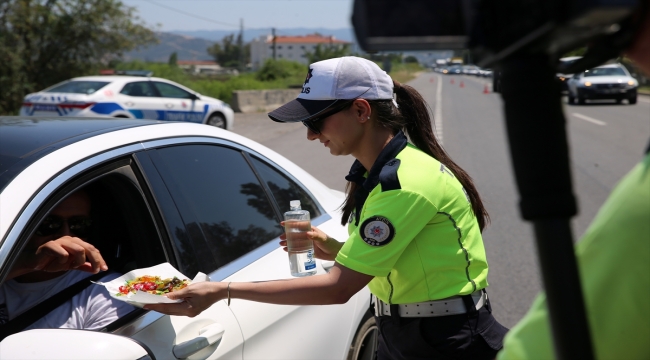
(300, 247)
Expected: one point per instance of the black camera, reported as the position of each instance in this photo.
(523, 40)
(496, 29)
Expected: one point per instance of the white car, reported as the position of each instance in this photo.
(134, 97)
(611, 81)
(198, 197)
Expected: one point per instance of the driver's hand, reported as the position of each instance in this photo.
(66, 253)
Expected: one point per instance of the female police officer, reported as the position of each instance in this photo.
(415, 221)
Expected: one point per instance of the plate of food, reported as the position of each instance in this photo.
(149, 285)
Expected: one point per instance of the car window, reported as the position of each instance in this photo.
(284, 189)
(171, 91)
(139, 89)
(77, 87)
(220, 200)
(609, 71)
(104, 208)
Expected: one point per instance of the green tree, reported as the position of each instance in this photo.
(410, 59)
(173, 59)
(324, 52)
(43, 42)
(228, 53)
(576, 52)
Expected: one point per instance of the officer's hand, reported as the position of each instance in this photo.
(196, 298)
(67, 253)
(325, 247)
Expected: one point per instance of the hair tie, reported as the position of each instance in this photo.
(229, 293)
(396, 85)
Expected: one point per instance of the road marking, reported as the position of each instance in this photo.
(590, 119)
(437, 117)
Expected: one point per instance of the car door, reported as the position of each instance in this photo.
(131, 232)
(180, 105)
(233, 201)
(300, 328)
(141, 99)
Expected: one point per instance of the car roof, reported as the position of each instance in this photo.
(570, 58)
(116, 77)
(609, 66)
(24, 140)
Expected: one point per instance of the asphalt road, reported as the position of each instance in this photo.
(606, 140)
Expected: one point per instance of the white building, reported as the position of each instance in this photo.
(289, 47)
(204, 67)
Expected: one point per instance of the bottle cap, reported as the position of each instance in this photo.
(294, 203)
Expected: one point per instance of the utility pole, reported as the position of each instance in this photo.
(240, 43)
(273, 35)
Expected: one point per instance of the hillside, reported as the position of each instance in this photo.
(187, 48)
(192, 45)
(250, 34)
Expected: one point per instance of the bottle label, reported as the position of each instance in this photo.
(310, 263)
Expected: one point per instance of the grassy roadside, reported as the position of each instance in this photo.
(222, 86)
(644, 90)
(404, 73)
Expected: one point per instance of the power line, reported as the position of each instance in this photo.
(191, 15)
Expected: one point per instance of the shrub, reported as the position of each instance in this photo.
(280, 69)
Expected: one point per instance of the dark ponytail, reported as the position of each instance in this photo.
(413, 118)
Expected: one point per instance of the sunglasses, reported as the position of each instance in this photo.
(78, 225)
(314, 124)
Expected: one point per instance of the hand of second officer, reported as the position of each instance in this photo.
(325, 247)
(196, 298)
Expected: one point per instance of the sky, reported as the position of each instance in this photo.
(191, 15)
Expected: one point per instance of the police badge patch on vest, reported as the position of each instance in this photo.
(377, 231)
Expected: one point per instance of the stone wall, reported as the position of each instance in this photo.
(247, 101)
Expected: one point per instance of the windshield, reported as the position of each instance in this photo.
(605, 72)
(77, 87)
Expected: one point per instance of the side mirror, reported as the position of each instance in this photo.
(71, 344)
(194, 97)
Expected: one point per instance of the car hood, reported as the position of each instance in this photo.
(210, 99)
(607, 79)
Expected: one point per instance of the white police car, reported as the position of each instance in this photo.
(128, 97)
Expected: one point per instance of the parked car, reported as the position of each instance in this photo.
(471, 70)
(198, 197)
(454, 70)
(134, 97)
(611, 81)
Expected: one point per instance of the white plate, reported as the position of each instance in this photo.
(141, 298)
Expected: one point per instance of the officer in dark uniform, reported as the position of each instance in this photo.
(415, 221)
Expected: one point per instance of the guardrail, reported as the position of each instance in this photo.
(247, 101)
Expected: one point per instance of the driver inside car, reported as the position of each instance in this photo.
(57, 256)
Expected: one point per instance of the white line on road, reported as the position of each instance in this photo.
(437, 117)
(590, 119)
